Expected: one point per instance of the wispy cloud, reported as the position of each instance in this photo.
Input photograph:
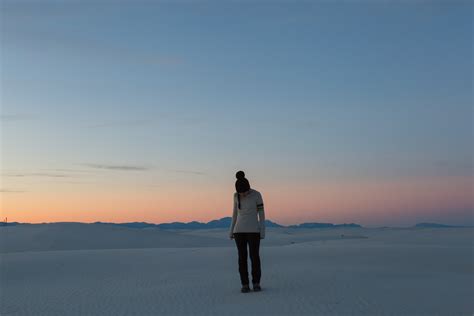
(116, 167)
(51, 175)
(37, 174)
(75, 182)
(11, 191)
(71, 170)
(83, 47)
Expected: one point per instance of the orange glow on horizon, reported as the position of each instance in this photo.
(348, 201)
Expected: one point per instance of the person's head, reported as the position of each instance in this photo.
(242, 185)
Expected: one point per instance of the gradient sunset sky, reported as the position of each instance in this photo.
(337, 111)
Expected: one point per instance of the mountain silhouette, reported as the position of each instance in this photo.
(436, 225)
(323, 225)
(217, 223)
(226, 221)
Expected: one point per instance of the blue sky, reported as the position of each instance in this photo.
(291, 92)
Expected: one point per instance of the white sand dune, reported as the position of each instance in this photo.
(392, 272)
(76, 236)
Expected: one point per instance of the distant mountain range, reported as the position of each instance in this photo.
(436, 225)
(323, 225)
(11, 224)
(226, 221)
(217, 223)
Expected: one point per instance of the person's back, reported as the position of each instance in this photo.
(247, 216)
(247, 227)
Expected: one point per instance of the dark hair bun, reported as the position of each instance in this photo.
(240, 175)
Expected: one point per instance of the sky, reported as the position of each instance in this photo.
(337, 111)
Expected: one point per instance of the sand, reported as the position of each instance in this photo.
(77, 269)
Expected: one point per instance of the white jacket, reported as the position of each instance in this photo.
(250, 217)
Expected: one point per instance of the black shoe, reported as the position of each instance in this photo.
(245, 288)
(256, 287)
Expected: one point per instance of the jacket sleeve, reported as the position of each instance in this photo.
(234, 216)
(261, 215)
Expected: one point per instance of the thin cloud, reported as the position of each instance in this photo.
(94, 48)
(50, 175)
(74, 182)
(11, 191)
(37, 174)
(116, 167)
(72, 170)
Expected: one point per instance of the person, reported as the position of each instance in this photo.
(247, 228)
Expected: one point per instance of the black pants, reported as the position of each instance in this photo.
(253, 240)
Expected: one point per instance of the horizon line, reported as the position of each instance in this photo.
(283, 226)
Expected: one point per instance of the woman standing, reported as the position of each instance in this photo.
(248, 227)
